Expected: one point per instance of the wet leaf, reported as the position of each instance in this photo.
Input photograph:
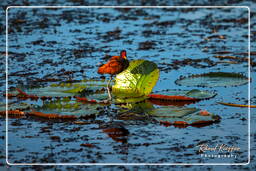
(169, 97)
(85, 87)
(137, 80)
(170, 102)
(182, 115)
(213, 79)
(12, 112)
(51, 115)
(71, 107)
(15, 106)
(237, 105)
(134, 111)
(172, 112)
(200, 94)
(166, 115)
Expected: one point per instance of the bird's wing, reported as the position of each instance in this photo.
(114, 63)
(114, 58)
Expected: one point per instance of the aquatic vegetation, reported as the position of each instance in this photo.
(237, 105)
(172, 115)
(213, 79)
(171, 98)
(183, 116)
(12, 112)
(51, 115)
(137, 80)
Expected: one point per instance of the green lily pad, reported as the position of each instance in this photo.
(200, 94)
(173, 114)
(134, 111)
(213, 79)
(69, 107)
(16, 106)
(137, 80)
(84, 88)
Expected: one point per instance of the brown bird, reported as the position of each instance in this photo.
(115, 65)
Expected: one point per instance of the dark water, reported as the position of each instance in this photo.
(45, 43)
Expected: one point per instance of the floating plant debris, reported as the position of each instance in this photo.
(182, 95)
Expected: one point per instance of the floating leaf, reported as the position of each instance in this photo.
(179, 97)
(51, 115)
(137, 80)
(183, 116)
(237, 105)
(12, 112)
(15, 106)
(195, 93)
(172, 112)
(170, 102)
(166, 115)
(200, 94)
(84, 87)
(71, 107)
(213, 79)
(171, 98)
(134, 111)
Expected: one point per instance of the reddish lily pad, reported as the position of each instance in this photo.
(179, 97)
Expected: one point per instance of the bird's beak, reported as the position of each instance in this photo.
(124, 57)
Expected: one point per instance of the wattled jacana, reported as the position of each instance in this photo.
(114, 66)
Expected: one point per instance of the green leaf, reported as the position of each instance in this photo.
(134, 111)
(213, 79)
(16, 106)
(200, 94)
(146, 111)
(172, 112)
(137, 80)
(84, 88)
(70, 107)
(188, 115)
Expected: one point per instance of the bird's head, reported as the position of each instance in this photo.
(123, 54)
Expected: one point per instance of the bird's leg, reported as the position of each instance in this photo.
(109, 94)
